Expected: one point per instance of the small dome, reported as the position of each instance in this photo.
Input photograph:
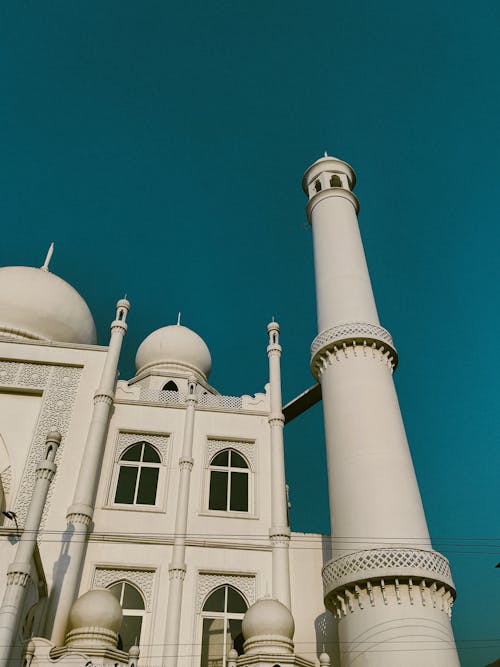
(97, 608)
(38, 305)
(267, 617)
(174, 345)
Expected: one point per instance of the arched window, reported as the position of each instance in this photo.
(138, 475)
(335, 181)
(228, 482)
(132, 603)
(222, 615)
(170, 386)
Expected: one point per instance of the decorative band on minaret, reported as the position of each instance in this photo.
(390, 592)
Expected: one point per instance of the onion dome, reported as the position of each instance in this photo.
(268, 627)
(94, 619)
(38, 305)
(174, 346)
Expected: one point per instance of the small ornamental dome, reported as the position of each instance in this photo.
(268, 626)
(38, 305)
(97, 608)
(177, 346)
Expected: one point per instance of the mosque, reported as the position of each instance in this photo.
(145, 521)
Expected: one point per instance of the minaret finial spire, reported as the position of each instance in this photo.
(179, 318)
(50, 252)
(326, 154)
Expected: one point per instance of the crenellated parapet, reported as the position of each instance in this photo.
(357, 338)
(383, 576)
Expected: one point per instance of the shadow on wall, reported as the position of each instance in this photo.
(324, 624)
(58, 573)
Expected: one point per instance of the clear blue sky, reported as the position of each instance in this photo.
(161, 145)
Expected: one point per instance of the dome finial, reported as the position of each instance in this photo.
(50, 252)
(179, 319)
(326, 154)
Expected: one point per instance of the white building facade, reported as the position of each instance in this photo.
(159, 516)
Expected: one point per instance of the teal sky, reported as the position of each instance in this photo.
(161, 146)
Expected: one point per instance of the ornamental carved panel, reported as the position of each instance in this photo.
(59, 385)
(245, 447)
(208, 581)
(125, 439)
(142, 579)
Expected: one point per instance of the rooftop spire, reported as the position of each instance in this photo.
(50, 252)
(178, 319)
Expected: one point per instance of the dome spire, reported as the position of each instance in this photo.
(179, 319)
(50, 252)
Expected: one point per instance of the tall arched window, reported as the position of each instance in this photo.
(138, 475)
(132, 603)
(228, 482)
(222, 615)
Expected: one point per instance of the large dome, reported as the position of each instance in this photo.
(174, 345)
(38, 305)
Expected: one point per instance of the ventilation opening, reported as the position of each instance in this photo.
(317, 186)
(335, 181)
(170, 386)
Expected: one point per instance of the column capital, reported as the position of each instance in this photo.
(18, 574)
(186, 463)
(80, 514)
(177, 571)
(46, 470)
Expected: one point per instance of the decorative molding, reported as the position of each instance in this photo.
(143, 579)
(386, 564)
(59, 385)
(6, 480)
(127, 438)
(164, 397)
(245, 447)
(79, 518)
(208, 581)
(383, 592)
(18, 574)
(280, 536)
(177, 572)
(329, 344)
(186, 463)
(219, 401)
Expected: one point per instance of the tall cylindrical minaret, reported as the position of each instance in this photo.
(390, 592)
(80, 513)
(19, 572)
(280, 532)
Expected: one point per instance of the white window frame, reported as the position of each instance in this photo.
(218, 614)
(229, 469)
(131, 612)
(160, 486)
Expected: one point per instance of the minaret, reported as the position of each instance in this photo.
(19, 572)
(279, 533)
(80, 513)
(389, 591)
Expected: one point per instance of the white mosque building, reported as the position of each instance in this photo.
(145, 521)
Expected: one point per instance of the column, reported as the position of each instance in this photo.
(80, 513)
(19, 572)
(280, 530)
(177, 568)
